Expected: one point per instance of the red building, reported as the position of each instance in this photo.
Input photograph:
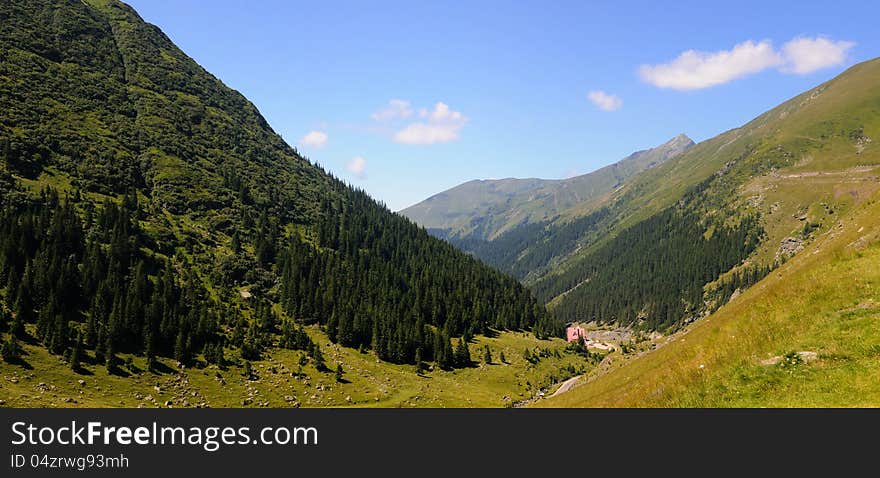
(573, 333)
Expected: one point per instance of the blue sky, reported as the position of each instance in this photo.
(407, 99)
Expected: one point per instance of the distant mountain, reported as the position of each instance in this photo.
(484, 209)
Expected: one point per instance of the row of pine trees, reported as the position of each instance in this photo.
(89, 278)
(84, 277)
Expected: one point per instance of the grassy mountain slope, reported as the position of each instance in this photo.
(147, 210)
(485, 209)
(825, 302)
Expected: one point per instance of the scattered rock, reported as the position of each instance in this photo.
(789, 247)
(168, 403)
(348, 399)
(808, 356)
(861, 142)
(82, 383)
(735, 294)
(771, 361)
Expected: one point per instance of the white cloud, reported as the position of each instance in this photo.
(357, 166)
(806, 55)
(605, 101)
(314, 139)
(395, 109)
(693, 70)
(424, 133)
(441, 125)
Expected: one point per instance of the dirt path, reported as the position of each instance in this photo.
(566, 386)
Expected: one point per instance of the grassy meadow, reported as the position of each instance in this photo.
(44, 380)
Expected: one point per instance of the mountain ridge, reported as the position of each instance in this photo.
(486, 208)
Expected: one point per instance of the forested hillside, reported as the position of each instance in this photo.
(149, 209)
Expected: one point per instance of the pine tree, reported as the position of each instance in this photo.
(181, 352)
(238, 333)
(236, 243)
(110, 358)
(251, 346)
(76, 354)
(5, 319)
(10, 350)
(339, 373)
(462, 354)
(420, 366)
(501, 357)
(318, 357)
(487, 355)
(248, 370)
(24, 306)
(17, 327)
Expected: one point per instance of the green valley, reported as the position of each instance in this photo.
(162, 246)
(151, 220)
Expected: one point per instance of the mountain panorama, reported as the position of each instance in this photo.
(485, 209)
(162, 246)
